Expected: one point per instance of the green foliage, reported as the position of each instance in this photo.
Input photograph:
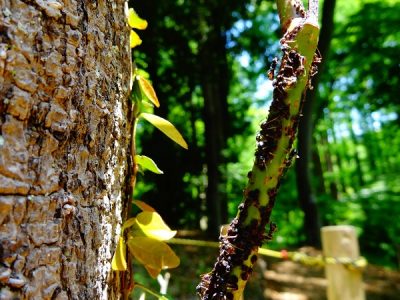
(358, 92)
(145, 234)
(166, 127)
(147, 90)
(135, 21)
(150, 224)
(154, 255)
(147, 163)
(357, 127)
(179, 67)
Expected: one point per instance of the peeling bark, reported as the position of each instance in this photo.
(64, 134)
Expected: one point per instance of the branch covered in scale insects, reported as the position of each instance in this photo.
(240, 242)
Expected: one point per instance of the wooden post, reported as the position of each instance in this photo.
(344, 283)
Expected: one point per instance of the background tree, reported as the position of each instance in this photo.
(65, 73)
(191, 70)
(307, 199)
(251, 43)
(361, 119)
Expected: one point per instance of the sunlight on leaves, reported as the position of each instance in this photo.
(153, 272)
(154, 255)
(166, 127)
(141, 73)
(135, 21)
(147, 163)
(143, 206)
(152, 225)
(128, 223)
(119, 262)
(148, 90)
(134, 39)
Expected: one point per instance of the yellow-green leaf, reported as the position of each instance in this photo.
(134, 39)
(141, 73)
(128, 223)
(143, 206)
(152, 272)
(147, 163)
(135, 21)
(166, 127)
(148, 90)
(152, 225)
(119, 261)
(154, 255)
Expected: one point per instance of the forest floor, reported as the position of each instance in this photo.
(272, 279)
(287, 280)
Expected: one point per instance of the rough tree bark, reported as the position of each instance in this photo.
(64, 131)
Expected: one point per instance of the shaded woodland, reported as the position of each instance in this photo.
(211, 73)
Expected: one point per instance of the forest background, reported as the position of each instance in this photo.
(208, 61)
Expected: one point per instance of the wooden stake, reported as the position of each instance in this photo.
(344, 283)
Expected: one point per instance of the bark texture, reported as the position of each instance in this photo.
(64, 79)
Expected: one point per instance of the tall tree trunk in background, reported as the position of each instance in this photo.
(64, 134)
(333, 185)
(303, 165)
(207, 68)
(339, 154)
(327, 157)
(215, 82)
(317, 168)
(359, 171)
(371, 143)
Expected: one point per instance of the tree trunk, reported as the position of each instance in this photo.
(333, 182)
(215, 83)
(317, 168)
(359, 172)
(338, 166)
(303, 165)
(63, 140)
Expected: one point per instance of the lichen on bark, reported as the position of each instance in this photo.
(64, 133)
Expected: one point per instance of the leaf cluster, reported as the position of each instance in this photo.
(146, 242)
(145, 234)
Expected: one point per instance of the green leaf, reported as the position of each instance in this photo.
(148, 291)
(154, 255)
(166, 127)
(136, 94)
(141, 73)
(134, 39)
(143, 206)
(147, 163)
(153, 272)
(128, 223)
(148, 90)
(151, 224)
(135, 21)
(119, 261)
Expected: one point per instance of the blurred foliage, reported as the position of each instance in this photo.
(357, 138)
